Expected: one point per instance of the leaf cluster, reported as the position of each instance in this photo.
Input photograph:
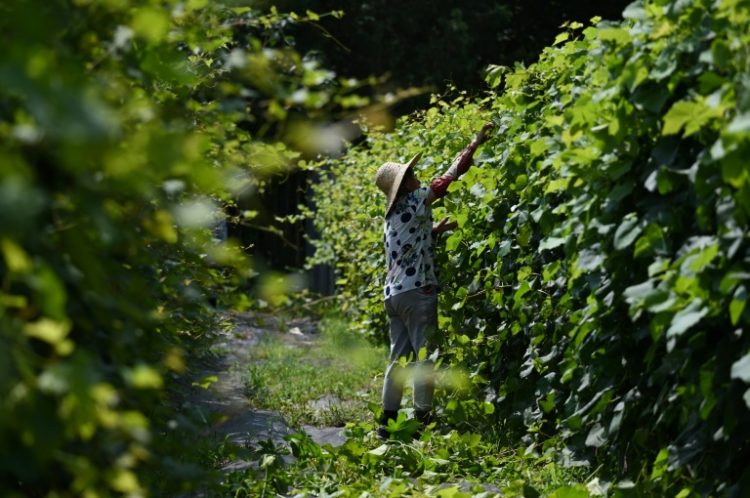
(125, 128)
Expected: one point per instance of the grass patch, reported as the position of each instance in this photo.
(328, 380)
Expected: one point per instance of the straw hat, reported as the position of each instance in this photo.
(389, 178)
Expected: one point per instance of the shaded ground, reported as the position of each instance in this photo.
(228, 413)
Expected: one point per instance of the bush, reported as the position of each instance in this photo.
(597, 283)
(124, 125)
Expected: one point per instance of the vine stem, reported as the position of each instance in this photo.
(265, 483)
(484, 291)
(594, 472)
(504, 286)
(328, 34)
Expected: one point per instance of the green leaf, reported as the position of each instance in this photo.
(551, 243)
(618, 35)
(561, 38)
(268, 461)
(735, 169)
(143, 377)
(686, 318)
(450, 492)
(691, 115)
(206, 381)
(698, 261)
(627, 232)
(530, 492)
(737, 304)
(494, 75)
(639, 291)
(380, 450)
(684, 493)
(721, 53)
(557, 185)
(16, 258)
(52, 332)
(597, 436)
(740, 124)
(489, 408)
(452, 242)
(570, 492)
(651, 241)
(124, 481)
(547, 403)
(660, 463)
(741, 369)
(151, 23)
(551, 270)
(635, 11)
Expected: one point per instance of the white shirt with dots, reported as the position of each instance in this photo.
(408, 245)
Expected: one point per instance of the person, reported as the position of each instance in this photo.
(410, 292)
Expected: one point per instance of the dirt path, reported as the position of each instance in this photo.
(228, 412)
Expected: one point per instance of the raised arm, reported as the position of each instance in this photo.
(461, 164)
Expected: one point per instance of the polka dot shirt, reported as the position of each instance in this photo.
(408, 245)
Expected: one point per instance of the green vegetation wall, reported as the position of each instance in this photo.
(124, 125)
(596, 287)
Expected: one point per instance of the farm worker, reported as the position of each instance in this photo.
(411, 285)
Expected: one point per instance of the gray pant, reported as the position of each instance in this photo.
(413, 317)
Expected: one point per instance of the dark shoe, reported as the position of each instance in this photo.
(423, 417)
(388, 415)
(383, 432)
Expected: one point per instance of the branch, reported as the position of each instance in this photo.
(483, 291)
(328, 34)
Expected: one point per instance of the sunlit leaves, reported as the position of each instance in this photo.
(16, 258)
(688, 115)
(619, 199)
(494, 75)
(143, 377)
(150, 22)
(52, 332)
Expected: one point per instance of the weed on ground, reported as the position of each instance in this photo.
(334, 379)
(326, 379)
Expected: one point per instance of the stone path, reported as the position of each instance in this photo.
(230, 414)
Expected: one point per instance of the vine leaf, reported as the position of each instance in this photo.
(741, 369)
(551, 243)
(627, 232)
(597, 436)
(686, 318)
(690, 115)
(737, 305)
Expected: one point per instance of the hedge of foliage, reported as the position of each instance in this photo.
(123, 124)
(596, 286)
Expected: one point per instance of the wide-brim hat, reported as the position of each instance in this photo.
(389, 178)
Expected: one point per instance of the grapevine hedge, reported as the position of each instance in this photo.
(123, 126)
(596, 286)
